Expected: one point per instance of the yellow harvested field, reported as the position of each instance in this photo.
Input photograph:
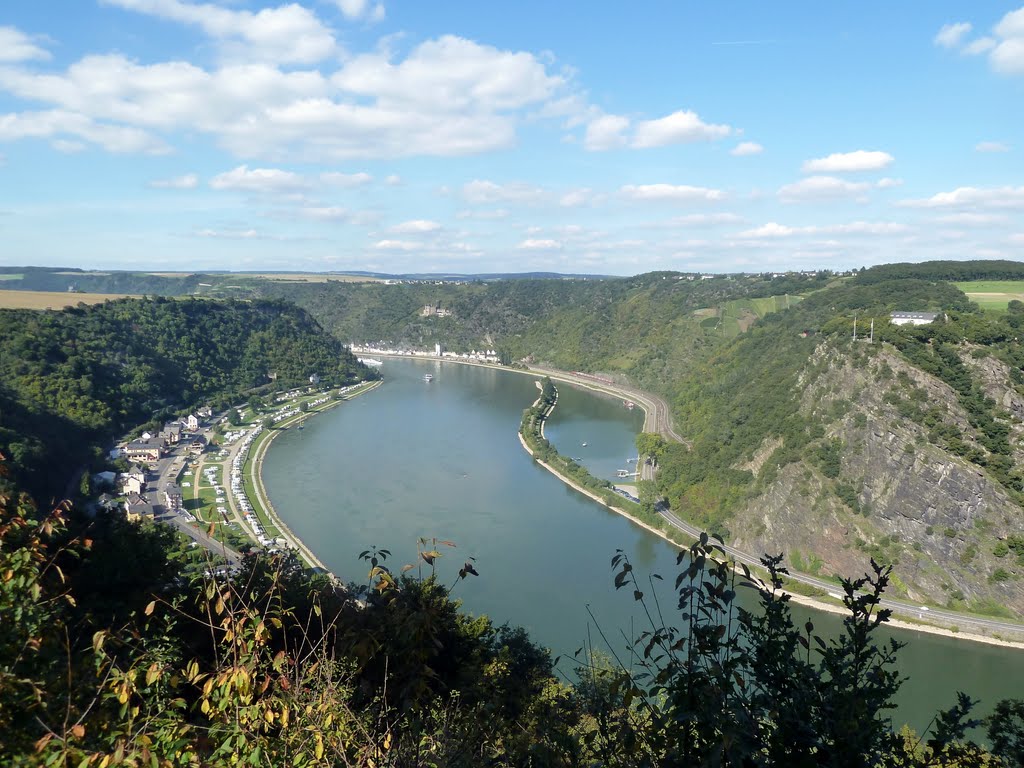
(53, 299)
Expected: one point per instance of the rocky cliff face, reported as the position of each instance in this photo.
(889, 486)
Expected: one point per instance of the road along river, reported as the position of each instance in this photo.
(442, 458)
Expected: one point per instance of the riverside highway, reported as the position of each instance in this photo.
(659, 420)
(898, 607)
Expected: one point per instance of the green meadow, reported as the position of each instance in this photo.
(993, 294)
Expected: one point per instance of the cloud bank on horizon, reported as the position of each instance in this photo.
(392, 136)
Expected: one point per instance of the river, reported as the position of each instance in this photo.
(442, 459)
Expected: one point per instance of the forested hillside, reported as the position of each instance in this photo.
(71, 380)
(906, 450)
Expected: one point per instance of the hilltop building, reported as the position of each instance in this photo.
(913, 318)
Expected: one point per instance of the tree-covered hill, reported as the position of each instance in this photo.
(71, 380)
(950, 271)
(907, 450)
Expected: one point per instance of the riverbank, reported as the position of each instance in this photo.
(681, 534)
(252, 464)
(805, 600)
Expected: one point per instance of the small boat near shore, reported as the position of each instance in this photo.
(370, 361)
(428, 377)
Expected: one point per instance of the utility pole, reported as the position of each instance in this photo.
(872, 341)
(854, 327)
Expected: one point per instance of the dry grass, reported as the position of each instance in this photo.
(53, 299)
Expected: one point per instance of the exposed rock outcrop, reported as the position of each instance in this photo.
(898, 496)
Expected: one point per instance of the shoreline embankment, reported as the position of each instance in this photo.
(256, 454)
(656, 424)
(804, 600)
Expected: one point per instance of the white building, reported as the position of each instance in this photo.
(913, 318)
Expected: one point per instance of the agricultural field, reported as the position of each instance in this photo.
(53, 299)
(993, 294)
(735, 317)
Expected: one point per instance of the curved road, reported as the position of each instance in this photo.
(897, 606)
(659, 417)
(659, 420)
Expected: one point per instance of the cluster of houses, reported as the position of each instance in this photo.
(481, 356)
(151, 448)
(146, 450)
(137, 504)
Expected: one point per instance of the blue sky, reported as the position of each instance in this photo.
(610, 138)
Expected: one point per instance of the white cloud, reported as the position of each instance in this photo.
(259, 180)
(971, 219)
(746, 148)
(447, 97)
(361, 9)
(979, 46)
(1008, 54)
(325, 213)
(277, 180)
(822, 188)
(1005, 46)
(393, 180)
(68, 147)
(705, 219)
(866, 228)
(606, 132)
(188, 181)
(841, 162)
(1016, 239)
(481, 192)
(972, 197)
(453, 73)
(416, 226)
(677, 193)
(991, 146)
(484, 215)
(396, 245)
(16, 46)
(678, 128)
(346, 179)
(578, 197)
(888, 183)
(55, 124)
(230, 234)
(951, 35)
(771, 229)
(287, 34)
(539, 245)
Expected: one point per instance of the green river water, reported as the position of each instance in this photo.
(443, 459)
